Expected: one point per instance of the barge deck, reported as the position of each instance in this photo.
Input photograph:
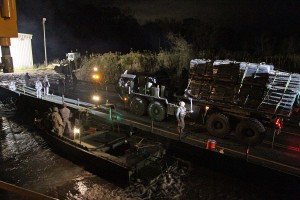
(274, 156)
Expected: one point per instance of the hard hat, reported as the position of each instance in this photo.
(55, 109)
(181, 103)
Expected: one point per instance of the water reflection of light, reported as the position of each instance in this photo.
(81, 187)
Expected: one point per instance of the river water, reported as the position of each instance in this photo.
(27, 161)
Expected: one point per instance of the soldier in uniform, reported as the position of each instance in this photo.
(74, 81)
(57, 122)
(65, 113)
(181, 112)
(61, 86)
(26, 78)
(38, 87)
(46, 85)
(12, 85)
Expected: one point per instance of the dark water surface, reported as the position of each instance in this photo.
(27, 161)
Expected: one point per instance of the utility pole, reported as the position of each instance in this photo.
(8, 29)
(45, 46)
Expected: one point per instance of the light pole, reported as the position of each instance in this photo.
(46, 63)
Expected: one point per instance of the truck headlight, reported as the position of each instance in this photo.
(96, 98)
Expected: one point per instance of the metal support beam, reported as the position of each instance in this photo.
(6, 58)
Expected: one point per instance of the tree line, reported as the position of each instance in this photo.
(172, 60)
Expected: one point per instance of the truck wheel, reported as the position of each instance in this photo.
(157, 111)
(138, 106)
(218, 125)
(250, 131)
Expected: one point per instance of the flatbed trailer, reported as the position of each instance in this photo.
(233, 109)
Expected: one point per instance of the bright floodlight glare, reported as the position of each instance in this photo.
(76, 130)
(96, 98)
(96, 76)
(206, 107)
(95, 69)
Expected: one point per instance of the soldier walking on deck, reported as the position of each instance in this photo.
(46, 85)
(58, 125)
(65, 113)
(38, 87)
(181, 112)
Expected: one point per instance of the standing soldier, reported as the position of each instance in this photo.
(46, 85)
(181, 112)
(26, 78)
(74, 81)
(61, 86)
(38, 87)
(12, 86)
(57, 122)
(65, 113)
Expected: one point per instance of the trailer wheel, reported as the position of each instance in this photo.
(138, 106)
(157, 111)
(218, 125)
(250, 131)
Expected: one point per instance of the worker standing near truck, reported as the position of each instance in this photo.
(180, 115)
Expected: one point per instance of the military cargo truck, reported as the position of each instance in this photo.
(228, 96)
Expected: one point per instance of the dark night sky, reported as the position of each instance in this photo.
(119, 25)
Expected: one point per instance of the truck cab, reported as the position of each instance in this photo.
(147, 95)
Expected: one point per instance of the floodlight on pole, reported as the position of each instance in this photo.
(46, 62)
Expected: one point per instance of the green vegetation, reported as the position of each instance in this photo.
(111, 65)
(173, 60)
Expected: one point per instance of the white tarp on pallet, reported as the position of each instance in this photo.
(21, 51)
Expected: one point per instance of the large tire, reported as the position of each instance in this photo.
(157, 111)
(218, 125)
(250, 131)
(138, 106)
